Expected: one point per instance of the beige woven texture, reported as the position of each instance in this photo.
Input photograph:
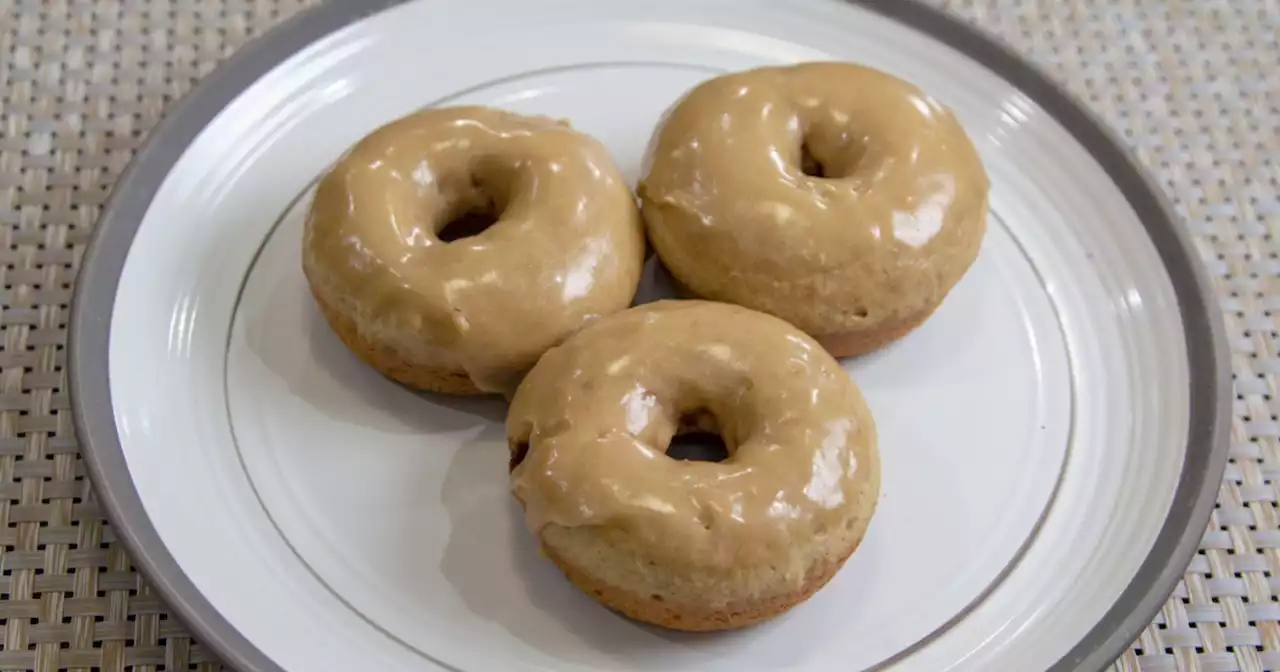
(1192, 86)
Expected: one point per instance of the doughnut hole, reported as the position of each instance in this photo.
(469, 205)
(518, 446)
(519, 451)
(698, 439)
(830, 150)
(698, 446)
(809, 165)
(470, 223)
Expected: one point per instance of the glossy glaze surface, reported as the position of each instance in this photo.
(567, 245)
(598, 413)
(835, 196)
(386, 539)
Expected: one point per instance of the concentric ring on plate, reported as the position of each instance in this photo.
(147, 328)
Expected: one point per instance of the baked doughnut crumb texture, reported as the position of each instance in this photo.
(1192, 87)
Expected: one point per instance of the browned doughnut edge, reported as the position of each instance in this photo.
(698, 617)
(391, 363)
(853, 344)
(847, 344)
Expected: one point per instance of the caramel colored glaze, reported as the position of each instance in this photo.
(735, 212)
(568, 244)
(590, 425)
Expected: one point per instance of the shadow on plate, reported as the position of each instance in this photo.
(292, 339)
(494, 564)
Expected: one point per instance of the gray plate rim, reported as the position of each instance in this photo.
(96, 283)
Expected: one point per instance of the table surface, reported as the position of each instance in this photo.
(1193, 86)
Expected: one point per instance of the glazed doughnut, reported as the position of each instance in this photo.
(834, 196)
(693, 545)
(474, 314)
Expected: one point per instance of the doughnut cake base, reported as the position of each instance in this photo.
(693, 617)
(392, 363)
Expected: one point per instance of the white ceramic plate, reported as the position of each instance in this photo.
(1051, 439)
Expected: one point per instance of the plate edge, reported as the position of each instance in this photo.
(1208, 355)
(93, 303)
(98, 278)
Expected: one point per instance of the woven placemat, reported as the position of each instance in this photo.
(1192, 85)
